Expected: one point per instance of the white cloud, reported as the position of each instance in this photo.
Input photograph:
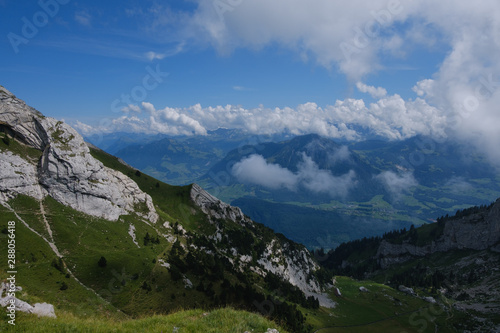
(171, 121)
(378, 92)
(84, 128)
(168, 121)
(131, 108)
(340, 155)
(397, 184)
(322, 181)
(351, 35)
(257, 171)
(362, 37)
(424, 88)
(390, 117)
(347, 35)
(358, 38)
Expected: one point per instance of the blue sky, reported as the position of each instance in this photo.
(96, 48)
(395, 68)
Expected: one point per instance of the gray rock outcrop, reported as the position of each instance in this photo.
(40, 309)
(478, 231)
(293, 264)
(18, 176)
(66, 170)
(407, 290)
(212, 206)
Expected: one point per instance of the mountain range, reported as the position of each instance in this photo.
(101, 246)
(320, 192)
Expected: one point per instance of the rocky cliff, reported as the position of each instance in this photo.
(65, 169)
(478, 231)
(284, 258)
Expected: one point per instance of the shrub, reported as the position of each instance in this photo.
(102, 262)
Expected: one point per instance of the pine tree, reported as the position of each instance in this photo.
(102, 262)
(147, 239)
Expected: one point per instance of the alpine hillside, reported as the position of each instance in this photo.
(97, 237)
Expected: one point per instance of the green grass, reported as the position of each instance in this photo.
(382, 309)
(82, 240)
(41, 281)
(191, 321)
(18, 148)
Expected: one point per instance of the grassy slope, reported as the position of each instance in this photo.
(381, 309)
(82, 240)
(190, 321)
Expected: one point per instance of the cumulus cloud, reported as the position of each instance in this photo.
(357, 38)
(397, 184)
(168, 121)
(378, 92)
(257, 171)
(362, 37)
(390, 117)
(131, 108)
(322, 181)
(340, 155)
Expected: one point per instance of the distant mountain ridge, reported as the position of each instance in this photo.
(378, 184)
(179, 160)
(374, 185)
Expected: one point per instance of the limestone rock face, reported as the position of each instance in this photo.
(475, 232)
(18, 176)
(293, 264)
(214, 207)
(15, 115)
(66, 171)
(40, 309)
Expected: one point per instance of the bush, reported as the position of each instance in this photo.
(58, 264)
(102, 262)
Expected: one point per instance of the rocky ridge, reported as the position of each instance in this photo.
(66, 170)
(475, 232)
(281, 258)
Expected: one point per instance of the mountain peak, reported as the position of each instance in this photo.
(63, 168)
(5, 93)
